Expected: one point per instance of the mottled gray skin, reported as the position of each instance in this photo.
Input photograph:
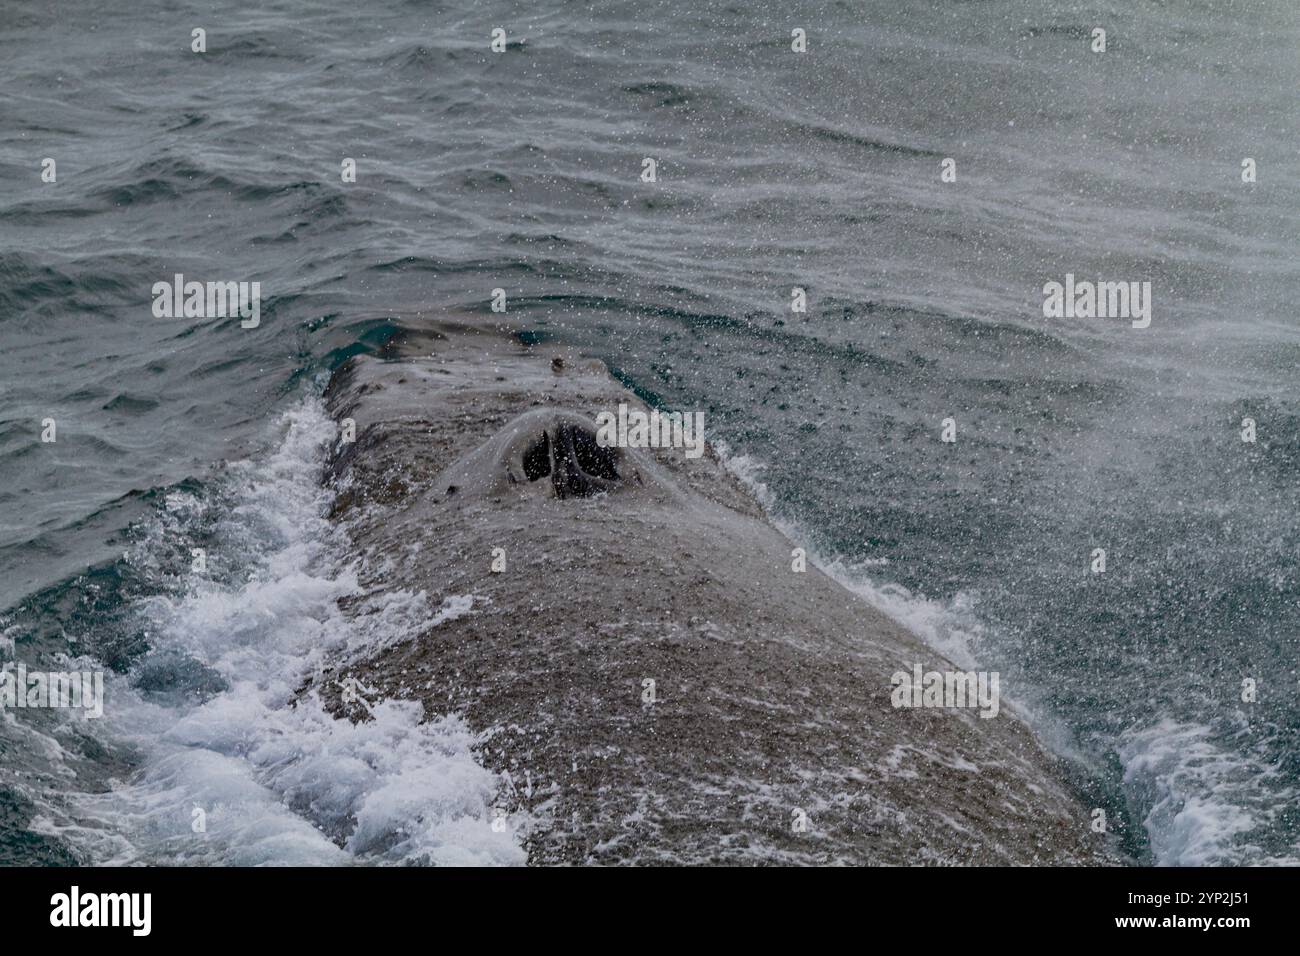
(773, 687)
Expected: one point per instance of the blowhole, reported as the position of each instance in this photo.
(537, 460)
(592, 457)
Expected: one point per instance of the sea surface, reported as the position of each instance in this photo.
(522, 171)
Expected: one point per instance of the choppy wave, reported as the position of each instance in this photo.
(223, 738)
(1202, 802)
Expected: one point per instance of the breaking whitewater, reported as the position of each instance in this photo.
(223, 756)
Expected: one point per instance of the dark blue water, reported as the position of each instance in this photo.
(521, 171)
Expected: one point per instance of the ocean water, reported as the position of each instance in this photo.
(775, 170)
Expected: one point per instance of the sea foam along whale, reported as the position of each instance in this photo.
(653, 681)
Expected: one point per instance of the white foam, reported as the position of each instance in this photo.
(950, 627)
(277, 779)
(1203, 799)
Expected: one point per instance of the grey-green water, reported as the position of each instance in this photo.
(775, 170)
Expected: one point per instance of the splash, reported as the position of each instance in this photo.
(258, 771)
